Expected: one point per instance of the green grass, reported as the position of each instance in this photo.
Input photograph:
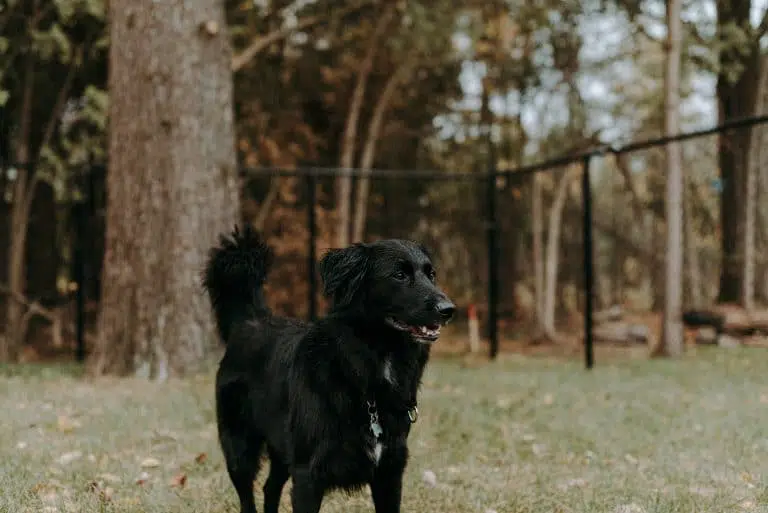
(519, 435)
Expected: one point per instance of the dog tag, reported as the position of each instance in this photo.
(376, 429)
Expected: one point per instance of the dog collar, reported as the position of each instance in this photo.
(375, 425)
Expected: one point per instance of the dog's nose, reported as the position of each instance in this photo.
(446, 309)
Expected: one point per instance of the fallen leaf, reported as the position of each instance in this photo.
(69, 457)
(104, 493)
(200, 458)
(143, 479)
(629, 508)
(66, 424)
(429, 478)
(179, 481)
(150, 463)
(109, 478)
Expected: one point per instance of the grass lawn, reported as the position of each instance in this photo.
(518, 435)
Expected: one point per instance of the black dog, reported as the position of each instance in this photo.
(333, 401)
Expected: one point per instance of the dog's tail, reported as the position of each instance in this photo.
(234, 278)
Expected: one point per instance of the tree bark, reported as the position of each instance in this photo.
(172, 183)
(737, 97)
(349, 139)
(553, 251)
(10, 345)
(672, 342)
(537, 222)
(692, 251)
(750, 241)
(369, 151)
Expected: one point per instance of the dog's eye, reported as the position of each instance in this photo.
(432, 275)
(400, 276)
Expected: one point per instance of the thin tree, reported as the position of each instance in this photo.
(672, 336)
(172, 183)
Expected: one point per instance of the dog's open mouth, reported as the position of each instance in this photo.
(426, 333)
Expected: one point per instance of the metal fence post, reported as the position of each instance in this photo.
(493, 255)
(589, 279)
(312, 253)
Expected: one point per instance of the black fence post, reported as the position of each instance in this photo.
(312, 253)
(589, 279)
(493, 254)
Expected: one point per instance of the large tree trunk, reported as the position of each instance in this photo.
(737, 84)
(672, 325)
(172, 183)
(349, 139)
(753, 172)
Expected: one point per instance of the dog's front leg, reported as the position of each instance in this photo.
(306, 495)
(387, 490)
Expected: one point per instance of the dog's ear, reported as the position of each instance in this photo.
(343, 272)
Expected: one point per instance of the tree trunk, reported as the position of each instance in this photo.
(172, 183)
(537, 222)
(736, 96)
(692, 251)
(369, 151)
(553, 251)
(750, 240)
(10, 345)
(672, 325)
(349, 139)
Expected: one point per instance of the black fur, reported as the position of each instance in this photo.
(300, 391)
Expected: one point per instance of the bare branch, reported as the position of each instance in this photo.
(32, 306)
(763, 28)
(259, 43)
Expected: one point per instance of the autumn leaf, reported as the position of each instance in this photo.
(200, 458)
(66, 424)
(179, 481)
(150, 463)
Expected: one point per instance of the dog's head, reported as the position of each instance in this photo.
(392, 282)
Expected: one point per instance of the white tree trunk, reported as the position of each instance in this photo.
(553, 251)
(537, 222)
(672, 337)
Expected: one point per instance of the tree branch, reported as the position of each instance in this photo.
(369, 150)
(259, 43)
(762, 29)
